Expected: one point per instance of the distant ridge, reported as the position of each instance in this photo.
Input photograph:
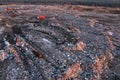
(110, 3)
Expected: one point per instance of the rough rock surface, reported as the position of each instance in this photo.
(71, 43)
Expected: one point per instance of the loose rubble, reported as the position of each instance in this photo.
(56, 42)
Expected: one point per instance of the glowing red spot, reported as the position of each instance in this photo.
(8, 9)
(41, 17)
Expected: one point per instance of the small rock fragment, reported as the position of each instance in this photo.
(110, 42)
(15, 53)
(37, 54)
(72, 71)
(92, 22)
(79, 46)
(3, 55)
(110, 33)
(100, 64)
(74, 29)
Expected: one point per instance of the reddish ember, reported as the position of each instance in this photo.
(8, 9)
(41, 17)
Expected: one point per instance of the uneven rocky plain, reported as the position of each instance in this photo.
(72, 42)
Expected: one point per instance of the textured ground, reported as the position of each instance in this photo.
(71, 43)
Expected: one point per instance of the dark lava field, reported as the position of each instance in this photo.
(69, 42)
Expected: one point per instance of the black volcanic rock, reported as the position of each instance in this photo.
(72, 42)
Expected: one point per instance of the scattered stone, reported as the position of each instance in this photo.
(37, 54)
(74, 29)
(110, 33)
(72, 71)
(3, 55)
(110, 42)
(92, 22)
(101, 64)
(79, 46)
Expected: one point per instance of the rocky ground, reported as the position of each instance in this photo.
(70, 43)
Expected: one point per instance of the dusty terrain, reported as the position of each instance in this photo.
(71, 43)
